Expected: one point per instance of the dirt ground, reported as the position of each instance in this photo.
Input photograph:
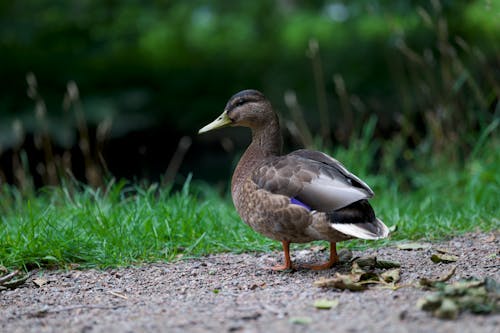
(236, 293)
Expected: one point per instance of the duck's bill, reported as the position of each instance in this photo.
(221, 121)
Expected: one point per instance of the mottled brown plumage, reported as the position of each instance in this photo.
(295, 198)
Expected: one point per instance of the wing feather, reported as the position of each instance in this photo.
(314, 178)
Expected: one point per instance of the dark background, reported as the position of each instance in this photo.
(149, 73)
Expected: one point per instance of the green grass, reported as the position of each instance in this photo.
(120, 226)
(129, 224)
(430, 195)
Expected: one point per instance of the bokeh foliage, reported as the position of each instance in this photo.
(405, 93)
(427, 69)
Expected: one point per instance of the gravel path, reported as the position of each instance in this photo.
(235, 293)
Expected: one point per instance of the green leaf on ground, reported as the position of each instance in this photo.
(413, 246)
(478, 296)
(371, 262)
(387, 264)
(443, 258)
(301, 320)
(326, 304)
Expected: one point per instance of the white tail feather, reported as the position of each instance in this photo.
(374, 230)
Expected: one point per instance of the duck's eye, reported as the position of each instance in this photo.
(240, 102)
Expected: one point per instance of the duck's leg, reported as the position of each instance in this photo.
(288, 261)
(332, 261)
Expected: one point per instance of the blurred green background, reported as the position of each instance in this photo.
(95, 88)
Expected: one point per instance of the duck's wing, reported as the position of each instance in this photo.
(322, 184)
(312, 178)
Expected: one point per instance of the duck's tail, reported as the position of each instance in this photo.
(366, 230)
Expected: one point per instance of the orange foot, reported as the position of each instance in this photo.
(329, 264)
(288, 262)
(279, 268)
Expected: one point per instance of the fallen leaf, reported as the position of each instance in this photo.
(365, 262)
(326, 304)
(492, 286)
(301, 320)
(462, 287)
(369, 277)
(476, 296)
(363, 273)
(73, 266)
(447, 310)
(426, 282)
(386, 264)
(372, 262)
(356, 269)
(444, 258)
(40, 281)
(444, 251)
(345, 255)
(391, 276)
(491, 238)
(413, 246)
(12, 280)
(341, 281)
(429, 302)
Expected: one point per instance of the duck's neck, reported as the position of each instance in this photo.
(266, 142)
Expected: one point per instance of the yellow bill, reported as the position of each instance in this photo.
(222, 121)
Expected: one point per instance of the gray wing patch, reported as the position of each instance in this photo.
(314, 178)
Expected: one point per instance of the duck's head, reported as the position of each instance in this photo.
(248, 108)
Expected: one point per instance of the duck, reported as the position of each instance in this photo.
(298, 197)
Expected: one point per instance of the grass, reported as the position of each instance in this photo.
(128, 224)
(430, 196)
(120, 226)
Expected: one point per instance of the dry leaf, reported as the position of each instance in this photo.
(363, 274)
(369, 277)
(413, 246)
(340, 281)
(12, 280)
(386, 264)
(372, 262)
(431, 282)
(365, 262)
(444, 251)
(491, 238)
(429, 302)
(40, 281)
(356, 269)
(476, 296)
(391, 276)
(444, 258)
(326, 304)
(447, 310)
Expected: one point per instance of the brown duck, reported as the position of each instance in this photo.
(295, 198)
